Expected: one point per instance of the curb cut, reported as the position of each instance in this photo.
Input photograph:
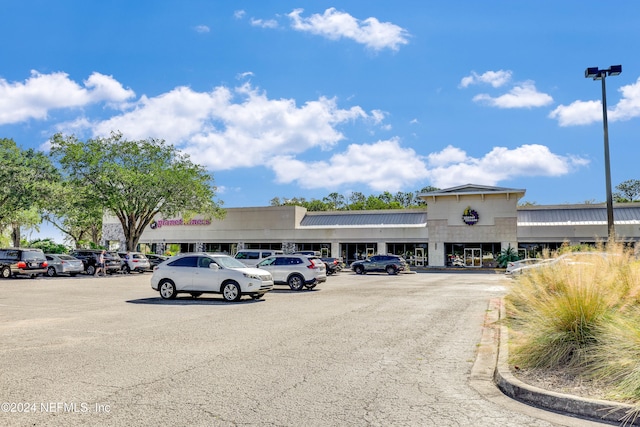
(566, 404)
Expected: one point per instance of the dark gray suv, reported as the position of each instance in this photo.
(22, 262)
(391, 264)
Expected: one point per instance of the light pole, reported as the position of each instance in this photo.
(598, 74)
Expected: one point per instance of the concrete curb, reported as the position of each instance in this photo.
(590, 409)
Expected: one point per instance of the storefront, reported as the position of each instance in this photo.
(464, 226)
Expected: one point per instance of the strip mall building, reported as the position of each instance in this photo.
(461, 226)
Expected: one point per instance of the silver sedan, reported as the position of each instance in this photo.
(63, 264)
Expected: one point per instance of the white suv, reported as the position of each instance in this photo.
(297, 271)
(251, 257)
(134, 261)
(198, 273)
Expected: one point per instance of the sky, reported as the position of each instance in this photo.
(306, 98)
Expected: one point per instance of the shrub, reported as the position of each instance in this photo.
(559, 312)
(48, 246)
(507, 255)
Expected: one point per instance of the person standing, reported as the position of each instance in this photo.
(100, 265)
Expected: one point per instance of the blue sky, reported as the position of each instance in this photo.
(302, 99)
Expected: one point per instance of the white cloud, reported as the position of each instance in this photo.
(386, 165)
(383, 165)
(524, 95)
(264, 23)
(42, 93)
(447, 156)
(587, 112)
(202, 29)
(230, 128)
(334, 25)
(246, 74)
(106, 88)
(577, 113)
(629, 105)
(378, 116)
(452, 166)
(239, 14)
(494, 78)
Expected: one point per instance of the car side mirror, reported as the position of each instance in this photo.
(214, 266)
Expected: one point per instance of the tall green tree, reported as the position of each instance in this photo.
(137, 180)
(628, 191)
(334, 201)
(27, 178)
(77, 211)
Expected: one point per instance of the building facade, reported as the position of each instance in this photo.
(461, 226)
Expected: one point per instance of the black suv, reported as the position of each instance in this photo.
(89, 258)
(22, 262)
(392, 264)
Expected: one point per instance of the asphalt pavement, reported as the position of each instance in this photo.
(371, 350)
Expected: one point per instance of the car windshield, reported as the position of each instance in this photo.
(33, 255)
(267, 261)
(228, 262)
(67, 257)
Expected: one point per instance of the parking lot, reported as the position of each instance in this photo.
(358, 350)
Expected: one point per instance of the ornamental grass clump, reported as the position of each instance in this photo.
(616, 359)
(558, 312)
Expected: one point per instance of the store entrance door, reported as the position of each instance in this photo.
(473, 257)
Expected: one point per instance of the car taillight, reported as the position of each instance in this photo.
(44, 264)
(311, 266)
(22, 264)
(135, 260)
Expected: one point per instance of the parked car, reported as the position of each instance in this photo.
(251, 257)
(333, 265)
(297, 271)
(89, 258)
(570, 258)
(155, 259)
(514, 265)
(63, 264)
(134, 261)
(310, 253)
(22, 262)
(391, 264)
(198, 273)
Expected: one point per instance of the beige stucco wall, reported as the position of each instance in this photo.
(271, 224)
(497, 222)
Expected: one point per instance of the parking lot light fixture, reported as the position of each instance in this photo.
(598, 74)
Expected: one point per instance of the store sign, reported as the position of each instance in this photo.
(177, 222)
(470, 216)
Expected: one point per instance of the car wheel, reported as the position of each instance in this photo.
(359, 269)
(231, 291)
(6, 272)
(51, 272)
(391, 270)
(91, 270)
(296, 282)
(167, 289)
(196, 294)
